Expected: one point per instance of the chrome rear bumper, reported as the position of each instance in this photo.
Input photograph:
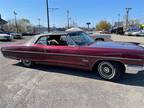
(134, 69)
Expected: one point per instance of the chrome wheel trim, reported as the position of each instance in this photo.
(106, 70)
(27, 62)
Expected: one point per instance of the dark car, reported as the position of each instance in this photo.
(29, 33)
(16, 35)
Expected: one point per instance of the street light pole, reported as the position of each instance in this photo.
(15, 14)
(47, 7)
(118, 20)
(127, 17)
(68, 18)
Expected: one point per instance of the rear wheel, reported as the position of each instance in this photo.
(27, 63)
(109, 70)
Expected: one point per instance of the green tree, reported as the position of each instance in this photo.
(103, 25)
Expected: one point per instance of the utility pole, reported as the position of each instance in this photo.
(15, 14)
(127, 17)
(68, 18)
(118, 20)
(39, 24)
(47, 7)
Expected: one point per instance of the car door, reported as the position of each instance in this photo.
(67, 55)
(36, 51)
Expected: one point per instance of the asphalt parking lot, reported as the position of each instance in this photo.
(58, 87)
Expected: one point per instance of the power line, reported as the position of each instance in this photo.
(52, 10)
(68, 19)
(48, 11)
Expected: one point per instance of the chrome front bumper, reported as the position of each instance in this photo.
(134, 69)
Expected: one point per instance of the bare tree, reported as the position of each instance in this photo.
(23, 24)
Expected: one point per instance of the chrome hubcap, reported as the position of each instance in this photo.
(26, 62)
(106, 70)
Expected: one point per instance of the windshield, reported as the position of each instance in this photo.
(33, 40)
(81, 38)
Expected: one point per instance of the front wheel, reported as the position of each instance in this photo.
(109, 70)
(27, 63)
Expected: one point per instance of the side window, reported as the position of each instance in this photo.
(42, 40)
(76, 37)
(63, 41)
(70, 42)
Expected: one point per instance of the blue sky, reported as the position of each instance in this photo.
(81, 11)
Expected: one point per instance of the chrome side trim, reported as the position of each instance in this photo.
(74, 55)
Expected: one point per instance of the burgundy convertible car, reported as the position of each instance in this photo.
(76, 49)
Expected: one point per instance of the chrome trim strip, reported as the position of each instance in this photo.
(62, 54)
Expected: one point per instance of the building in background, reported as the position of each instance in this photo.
(2, 22)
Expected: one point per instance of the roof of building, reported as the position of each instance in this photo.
(2, 21)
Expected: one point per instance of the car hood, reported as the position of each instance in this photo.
(116, 45)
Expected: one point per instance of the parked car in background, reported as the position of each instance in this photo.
(128, 33)
(76, 49)
(117, 30)
(29, 33)
(105, 32)
(5, 36)
(139, 33)
(101, 37)
(95, 36)
(135, 33)
(132, 33)
(16, 35)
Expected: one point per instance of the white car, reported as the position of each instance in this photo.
(138, 33)
(133, 33)
(141, 33)
(4, 36)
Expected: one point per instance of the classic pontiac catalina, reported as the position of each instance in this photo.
(76, 49)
